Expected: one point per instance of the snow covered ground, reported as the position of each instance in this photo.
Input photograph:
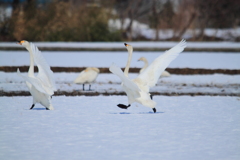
(207, 60)
(143, 30)
(184, 127)
(120, 45)
(93, 127)
(109, 83)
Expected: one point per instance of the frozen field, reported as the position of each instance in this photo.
(184, 127)
(93, 127)
(209, 60)
(109, 83)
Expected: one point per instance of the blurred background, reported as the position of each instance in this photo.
(119, 20)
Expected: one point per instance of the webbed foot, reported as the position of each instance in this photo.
(154, 110)
(151, 96)
(123, 106)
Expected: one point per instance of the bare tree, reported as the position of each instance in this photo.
(155, 17)
(132, 9)
(184, 17)
(162, 16)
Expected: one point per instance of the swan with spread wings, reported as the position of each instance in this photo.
(42, 86)
(137, 89)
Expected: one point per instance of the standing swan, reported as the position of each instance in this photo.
(88, 76)
(42, 86)
(164, 73)
(137, 90)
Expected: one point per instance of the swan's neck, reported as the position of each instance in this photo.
(31, 67)
(145, 64)
(126, 70)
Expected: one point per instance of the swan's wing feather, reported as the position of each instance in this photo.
(45, 74)
(91, 75)
(152, 73)
(35, 82)
(126, 81)
(81, 77)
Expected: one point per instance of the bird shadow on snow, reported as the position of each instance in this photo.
(39, 109)
(137, 113)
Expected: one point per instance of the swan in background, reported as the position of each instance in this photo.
(87, 76)
(42, 86)
(137, 90)
(164, 73)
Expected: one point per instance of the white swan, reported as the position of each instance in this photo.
(137, 90)
(42, 86)
(164, 73)
(87, 76)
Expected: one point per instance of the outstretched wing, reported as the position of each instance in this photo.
(45, 74)
(152, 73)
(34, 81)
(125, 80)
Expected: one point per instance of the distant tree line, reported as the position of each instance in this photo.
(87, 20)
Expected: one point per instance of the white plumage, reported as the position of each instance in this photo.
(42, 86)
(87, 76)
(163, 74)
(137, 89)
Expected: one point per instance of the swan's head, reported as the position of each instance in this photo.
(96, 69)
(142, 59)
(129, 47)
(23, 43)
(92, 69)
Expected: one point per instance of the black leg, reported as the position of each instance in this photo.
(83, 87)
(89, 87)
(123, 106)
(47, 109)
(151, 96)
(32, 106)
(154, 110)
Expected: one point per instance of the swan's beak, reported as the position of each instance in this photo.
(126, 44)
(19, 42)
